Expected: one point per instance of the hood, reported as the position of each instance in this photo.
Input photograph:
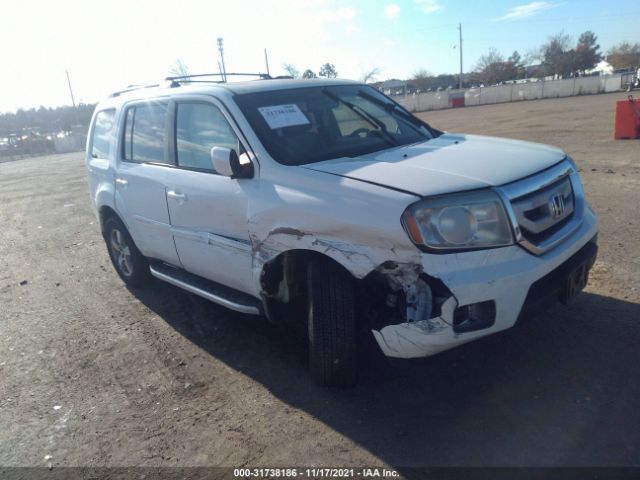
(449, 163)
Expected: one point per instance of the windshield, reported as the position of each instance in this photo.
(307, 125)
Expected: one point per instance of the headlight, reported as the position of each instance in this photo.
(459, 221)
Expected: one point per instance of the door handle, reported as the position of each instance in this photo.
(179, 197)
(122, 182)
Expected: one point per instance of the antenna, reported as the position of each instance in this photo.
(266, 61)
(221, 50)
(73, 101)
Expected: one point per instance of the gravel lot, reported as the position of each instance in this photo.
(94, 374)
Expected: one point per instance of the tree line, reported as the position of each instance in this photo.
(46, 121)
(327, 70)
(557, 57)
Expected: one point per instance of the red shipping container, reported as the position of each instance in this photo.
(627, 123)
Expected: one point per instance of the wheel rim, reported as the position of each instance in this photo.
(121, 253)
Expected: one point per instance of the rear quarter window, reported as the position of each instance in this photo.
(102, 134)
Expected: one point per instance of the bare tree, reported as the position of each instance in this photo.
(492, 68)
(533, 56)
(291, 70)
(558, 57)
(422, 73)
(489, 59)
(624, 55)
(370, 75)
(421, 79)
(179, 69)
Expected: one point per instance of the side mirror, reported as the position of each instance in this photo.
(226, 162)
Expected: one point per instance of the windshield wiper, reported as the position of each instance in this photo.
(362, 113)
(396, 109)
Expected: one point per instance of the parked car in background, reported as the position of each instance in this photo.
(632, 80)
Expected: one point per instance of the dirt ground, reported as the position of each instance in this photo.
(92, 374)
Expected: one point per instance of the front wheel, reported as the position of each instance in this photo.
(130, 264)
(332, 325)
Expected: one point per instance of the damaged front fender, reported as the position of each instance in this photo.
(359, 257)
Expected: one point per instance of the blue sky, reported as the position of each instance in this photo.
(108, 45)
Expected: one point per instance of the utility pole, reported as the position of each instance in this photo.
(221, 50)
(70, 89)
(266, 61)
(73, 101)
(460, 30)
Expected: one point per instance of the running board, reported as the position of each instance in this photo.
(220, 294)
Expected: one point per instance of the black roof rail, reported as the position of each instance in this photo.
(131, 88)
(175, 81)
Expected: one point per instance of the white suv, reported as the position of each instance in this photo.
(326, 203)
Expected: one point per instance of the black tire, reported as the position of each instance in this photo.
(130, 264)
(332, 325)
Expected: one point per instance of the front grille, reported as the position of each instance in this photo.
(546, 208)
(542, 213)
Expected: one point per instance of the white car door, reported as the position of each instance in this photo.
(141, 177)
(208, 211)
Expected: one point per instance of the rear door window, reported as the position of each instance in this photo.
(145, 133)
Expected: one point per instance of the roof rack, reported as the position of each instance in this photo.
(131, 88)
(175, 81)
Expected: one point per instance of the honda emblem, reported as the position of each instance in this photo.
(556, 206)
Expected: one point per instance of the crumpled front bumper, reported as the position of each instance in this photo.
(503, 275)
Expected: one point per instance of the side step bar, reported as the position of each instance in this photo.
(220, 294)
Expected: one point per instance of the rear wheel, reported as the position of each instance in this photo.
(130, 264)
(332, 325)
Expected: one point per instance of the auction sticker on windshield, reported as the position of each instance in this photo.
(280, 116)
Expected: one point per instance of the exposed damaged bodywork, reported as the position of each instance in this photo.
(418, 338)
(359, 259)
(480, 301)
(429, 308)
(401, 287)
(408, 312)
(281, 259)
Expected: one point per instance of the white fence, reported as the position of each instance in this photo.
(515, 92)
